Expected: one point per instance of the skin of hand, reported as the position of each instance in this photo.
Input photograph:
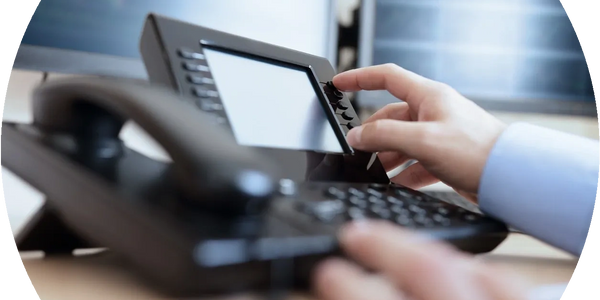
(406, 266)
(450, 136)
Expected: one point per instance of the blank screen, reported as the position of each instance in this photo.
(271, 106)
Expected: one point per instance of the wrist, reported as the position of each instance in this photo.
(493, 134)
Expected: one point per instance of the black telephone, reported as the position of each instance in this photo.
(223, 213)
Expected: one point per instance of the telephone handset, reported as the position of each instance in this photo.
(210, 169)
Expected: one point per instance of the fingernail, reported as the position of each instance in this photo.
(354, 136)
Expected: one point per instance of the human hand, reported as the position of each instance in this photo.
(449, 135)
(406, 266)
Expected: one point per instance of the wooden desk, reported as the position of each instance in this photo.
(98, 277)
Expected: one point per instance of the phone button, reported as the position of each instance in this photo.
(189, 54)
(195, 79)
(357, 193)
(287, 187)
(322, 210)
(347, 117)
(208, 105)
(355, 213)
(342, 106)
(351, 125)
(218, 119)
(379, 186)
(195, 67)
(204, 93)
(335, 193)
(337, 94)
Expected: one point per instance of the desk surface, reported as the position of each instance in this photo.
(96, 277)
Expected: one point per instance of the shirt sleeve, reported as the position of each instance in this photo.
(544, 183)
(550, 292)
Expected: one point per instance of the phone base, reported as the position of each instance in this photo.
(47, 232)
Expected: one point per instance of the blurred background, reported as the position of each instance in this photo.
(520, 59)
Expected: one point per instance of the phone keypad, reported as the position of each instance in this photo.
(397, 204)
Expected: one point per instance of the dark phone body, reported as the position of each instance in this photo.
(130, 203)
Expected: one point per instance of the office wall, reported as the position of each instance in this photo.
(583, 126)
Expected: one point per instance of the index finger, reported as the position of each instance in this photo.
(403, 84)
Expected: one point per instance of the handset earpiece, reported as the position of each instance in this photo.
(210, 168)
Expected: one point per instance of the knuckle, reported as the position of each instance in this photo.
(443, 89)
(423, 133)
(431, 135)
(378, 133)
(380, 129)
(391, 68)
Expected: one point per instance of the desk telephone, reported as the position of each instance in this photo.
(260, 170)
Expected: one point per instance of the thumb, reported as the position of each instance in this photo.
(407, 137)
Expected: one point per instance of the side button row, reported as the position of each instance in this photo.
(204, 90)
